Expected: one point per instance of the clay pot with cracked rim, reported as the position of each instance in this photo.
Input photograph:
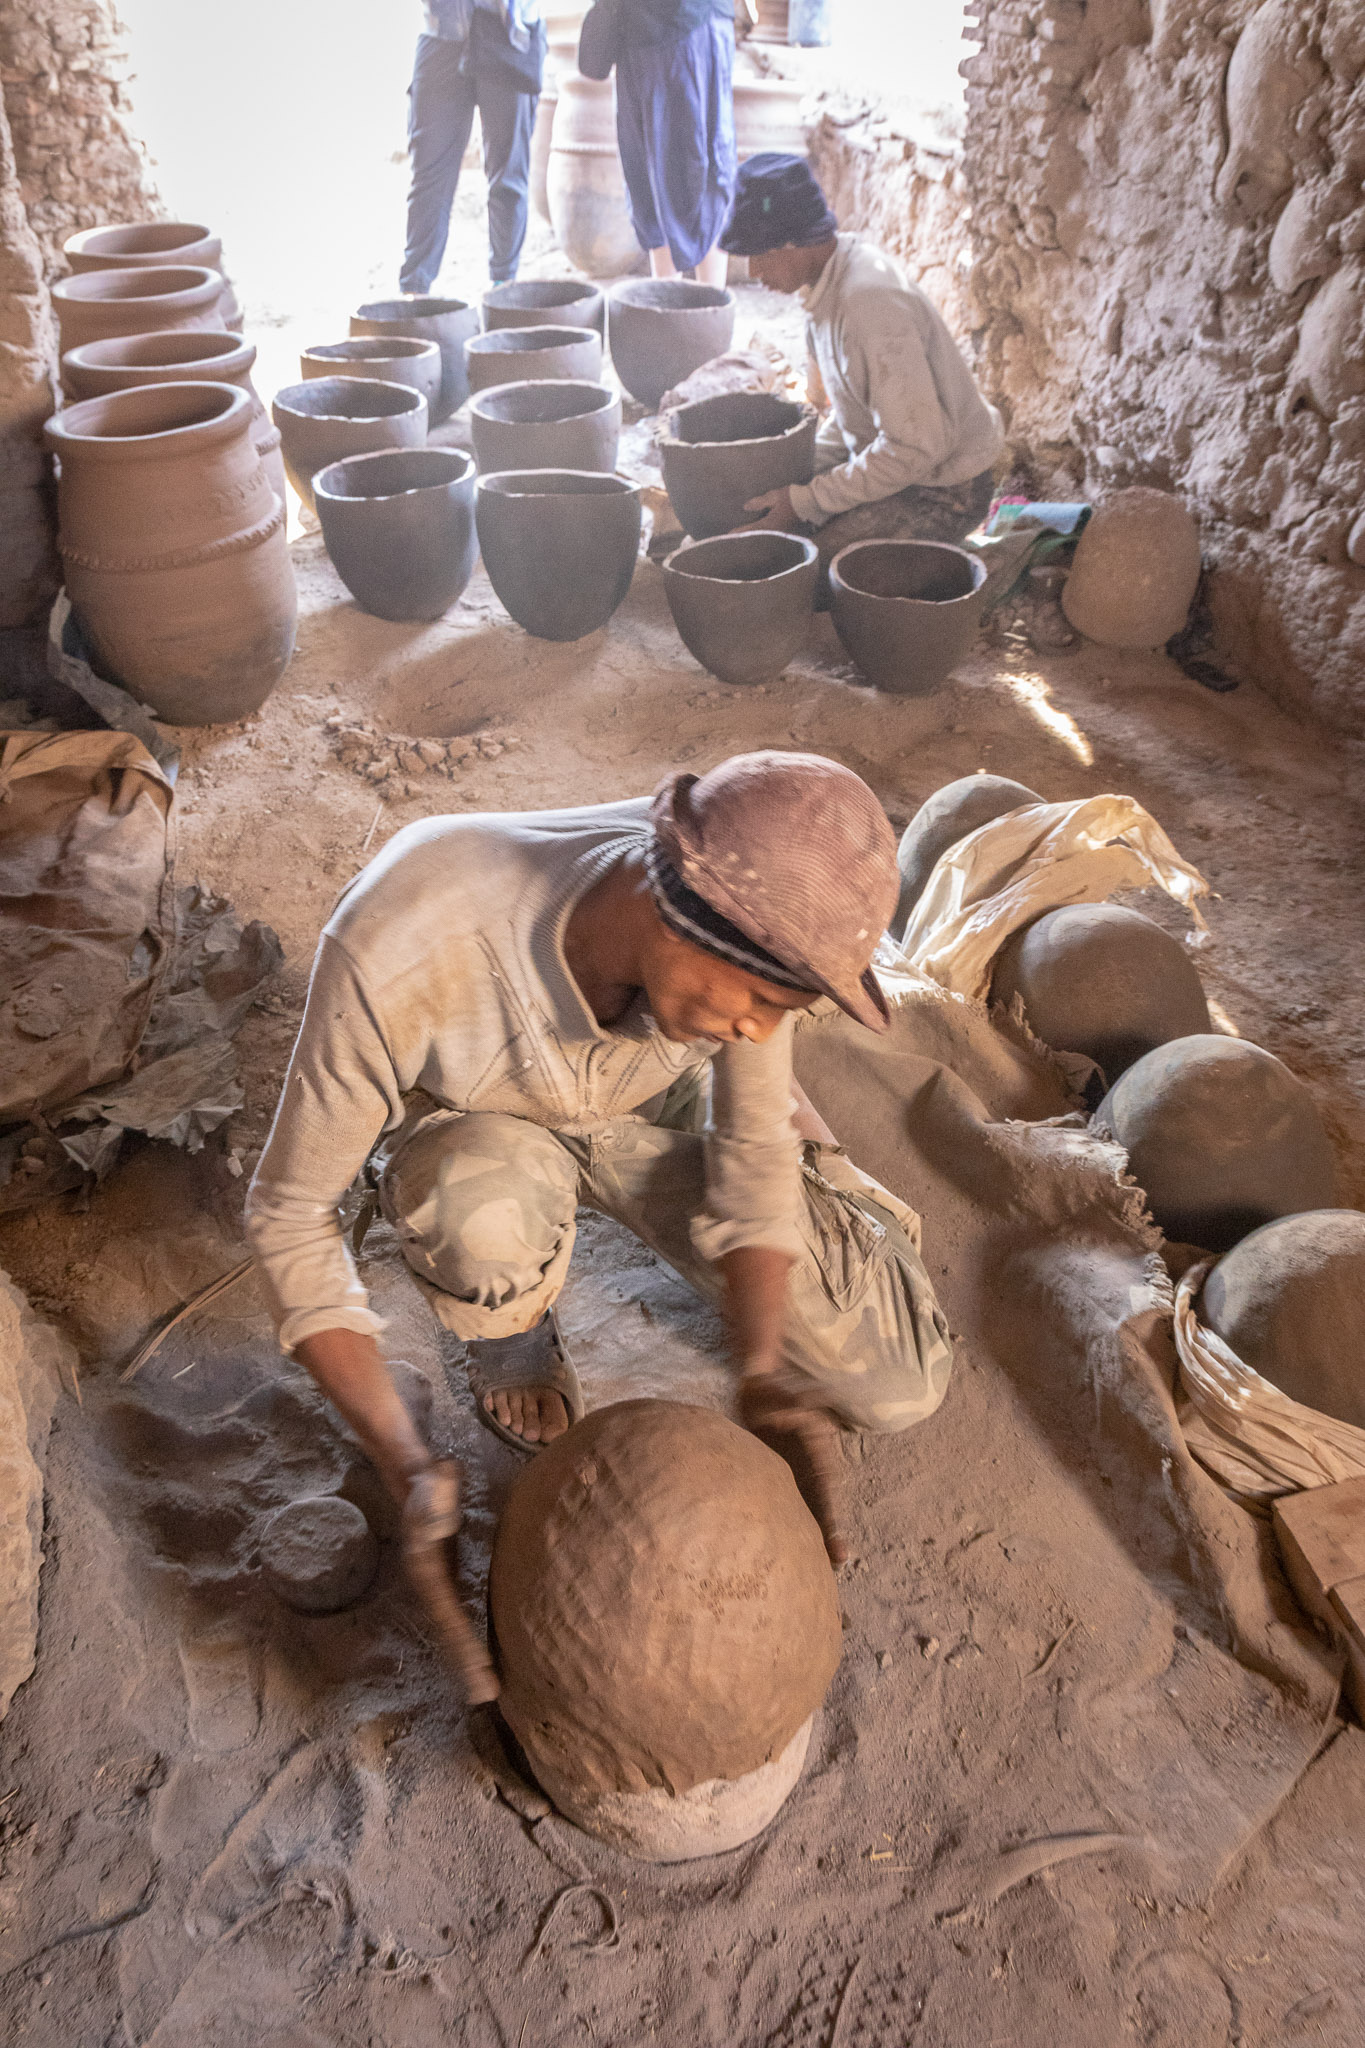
(101, 303)
(399, 528)
(189, 355)
(717, 453)
(447, 322)
(329, 418)
(515, 355)
(173, 546)
(743, 602)
(398, 359)
(542, 302)
(559, 546)
(552, 425)
(661, 329)
(906, 610)
(152, 244)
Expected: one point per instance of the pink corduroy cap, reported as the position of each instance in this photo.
(796, 852)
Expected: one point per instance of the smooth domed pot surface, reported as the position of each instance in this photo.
(447, 322)
(1102, 980)
(539, 301)
(1290, 1300)
(399, 527)
(99, 303)
(1221, 1137)
(664, 1611)
(718, 453)
(559, 546)
(1135, 571)
(661, 329)
(329, 418)
(153, 244)
(743, 602)
(384, 359)
(950, 814)
(906, 610)
(512, 355)
(550, 425)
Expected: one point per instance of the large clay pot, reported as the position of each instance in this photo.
(101, 303)
(1135, 571)
(173, 547)
(743, 602)
(768, 115)
(1290, 1300)
(771, 25)
(950, 814)
(906, 610)
(554, 425)
(719, 452)
(541, 135)
(447, 322)
(585, 184)
(329, 418)
(531, 355)
(189, 355)
(154, 245)
(661, 329)
(397, 359)
(559, 546)
(399, 528)
(542, 301)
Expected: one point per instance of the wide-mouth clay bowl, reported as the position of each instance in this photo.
(386, 359)
(532, 301)
(743, 601)
(517, 355)
(559, 546)
(550, 425)
(718, 453)
(661, 329)
(399, 527)
(328, 418)
(906, 610)
(447, 322)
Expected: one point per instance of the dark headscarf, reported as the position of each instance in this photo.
(778, 203)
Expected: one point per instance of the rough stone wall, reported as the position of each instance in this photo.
(32, 1360)
(28, 345)
(64, 69)
(1168, 222)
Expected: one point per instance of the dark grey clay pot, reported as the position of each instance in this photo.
(1290, 1300)
(545, 426)
(400, 529)
(906, 610)
(661, 329)
(942, 819)
(743, 602)
(532, 301)
(517, 355)
(329, 418)
(719, 452)
(559, 546)
(392, 359)
(447, 322)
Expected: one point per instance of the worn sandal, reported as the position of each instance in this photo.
(533, 1358)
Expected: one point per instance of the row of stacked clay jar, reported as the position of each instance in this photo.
(170, 486)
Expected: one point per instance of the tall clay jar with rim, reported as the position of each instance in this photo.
(172, 541)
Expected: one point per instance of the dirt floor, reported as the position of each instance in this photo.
(219, 1826)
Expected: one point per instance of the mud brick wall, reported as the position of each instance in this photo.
(28, 346)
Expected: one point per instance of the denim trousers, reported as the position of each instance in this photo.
(447, 86)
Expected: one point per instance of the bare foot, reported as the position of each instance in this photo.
(536, 1414)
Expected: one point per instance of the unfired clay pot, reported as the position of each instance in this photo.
(329, 418)
(906, 610)
(172, 542)
(543, 301)
(395, 359)
(666, 1624)
(1135, 572)
(554, 425)
(661, 329)
(559, 546)
(743, 601)
(1102, 980)
(100, 303)
(514, 355)
(948, 815)
(1221, 1137)
(447, 322)
(153, 244)
(399, 527)
(585, 185)
(1290, 1300)
(191, 355)
(719, 452)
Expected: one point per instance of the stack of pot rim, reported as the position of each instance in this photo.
(133, 245)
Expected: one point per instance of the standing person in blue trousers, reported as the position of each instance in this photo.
(484, 54)
(675, 123)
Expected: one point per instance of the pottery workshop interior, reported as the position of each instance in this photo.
(682, 1080)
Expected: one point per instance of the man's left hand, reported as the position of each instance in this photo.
(773, 510)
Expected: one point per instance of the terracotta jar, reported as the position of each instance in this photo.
(391, 359)
(329, 418)
(551, 425)
(771, 26)
(661, 329)
(399, 527)
(585, 185)
(559, 546)
(190, 356)
(718, 453)
(447, 322)
(906, 610)
(101, 303)
(153, 245)
(517, 355)
(743, 602)
(173, 545)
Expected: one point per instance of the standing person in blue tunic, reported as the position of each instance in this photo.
(675, 123)
(484, 54)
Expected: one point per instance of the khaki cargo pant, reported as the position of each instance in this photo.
(484, 1205)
